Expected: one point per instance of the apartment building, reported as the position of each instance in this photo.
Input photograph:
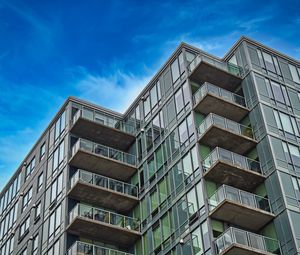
(206, 160)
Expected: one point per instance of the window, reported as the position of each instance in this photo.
(156, 236)
(151, 166)
(190, 125)
(295, 222)
(54, 250)
(286, 123)
(277, 92)
(37, 211)
(154, 199)
(170, 111)
(167, 82)
(40, 182)
(296, 186)
(294, 73)
(54, 223)
(233, 60)
(189, 57)
(30, 168)
(175, 70)
(156, 127)
(27, 199)
(8, 221)
(181, 63)
(56, 188)
(159, 157)
(24, 227)
(35, 245)
(183, 133)
(158, 91)
(295, 155)
(186, 93)
(60, 125)
(292, 153)
(269, 62)
(153, 96)
(146, 106)
(42, 151)
(58, 156)
(149, 138)
(24, 252)
(179, 101)
(187, 165)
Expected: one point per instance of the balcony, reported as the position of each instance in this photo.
(98, 224)
(80, 248)
(205, 69)
(103, 191)
(217, 131)
(237, 207)
(103, 160)
(212, 99)
(103, 129)
(225, 167)
(239, 242)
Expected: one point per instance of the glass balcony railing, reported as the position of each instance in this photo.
(104, 182)
(109, 121)
(80, 248)
(237, 236)
(231, 158)
(232, 126)
(104, 151)
(100, 215)
(208, 88)
(239, 196)
(225, 66)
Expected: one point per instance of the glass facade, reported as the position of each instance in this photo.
(210, 146)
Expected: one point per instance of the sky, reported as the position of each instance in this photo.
(106, 52)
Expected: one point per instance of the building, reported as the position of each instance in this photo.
(205, 161)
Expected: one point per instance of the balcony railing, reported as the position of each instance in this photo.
(104, 151)
(80, 248)
(237, 236)
(231, 158)
(100, 215)
(104, 182)
(208, 88)
(105, 120)
(234, 127)
(228, 67)
(239, 196)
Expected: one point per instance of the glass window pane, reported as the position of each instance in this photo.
(278, 122)
(153, 95)
(278, 95)
(294, 73)
(175, 70)
(269, 62)
(187, 164)
(147, 106)
(186, 93)
(286, 123)
(179, 101)
(183, 134)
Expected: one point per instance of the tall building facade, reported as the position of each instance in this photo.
(205, 161)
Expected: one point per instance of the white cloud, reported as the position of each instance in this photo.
(115, 91)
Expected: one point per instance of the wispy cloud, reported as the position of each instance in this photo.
(42, 31)
(28, 15)
(116, 90)
(252, 24)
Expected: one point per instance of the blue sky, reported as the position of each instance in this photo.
(103, 50)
